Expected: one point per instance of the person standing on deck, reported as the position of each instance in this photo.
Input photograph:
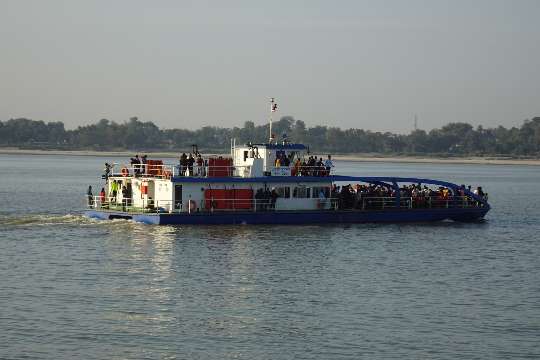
(286, 161)
(319, 169)
(107, 171)
(297, 167)
(200, 164)
(334, 197)
(273, 198)
(90, 196)
(114, 192)
(311, 166)
(183, 164)
(259, 199)
(190, 162)
(321, 203)
(102, 197)
(125, 195)
(144, 161)
(304, 168)
(267, 195)
(328, 164)
(135, 164)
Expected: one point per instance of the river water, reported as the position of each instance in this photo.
(71, 287)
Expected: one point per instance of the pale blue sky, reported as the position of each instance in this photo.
(367, 64)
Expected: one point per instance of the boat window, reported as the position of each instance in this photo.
(301, 191)
(283, 192)
(177, 196)
(245, 155)
(317, 189)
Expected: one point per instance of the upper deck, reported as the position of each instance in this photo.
(248, 161)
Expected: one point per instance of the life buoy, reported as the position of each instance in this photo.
(125, 171)
(192, 205)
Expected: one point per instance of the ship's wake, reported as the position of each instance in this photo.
(7, 221)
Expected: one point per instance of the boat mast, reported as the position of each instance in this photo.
(273, 109)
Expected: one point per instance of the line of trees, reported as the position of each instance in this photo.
(452, 139)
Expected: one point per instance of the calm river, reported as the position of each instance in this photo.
(77, 288)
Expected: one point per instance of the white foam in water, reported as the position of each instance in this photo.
(48, 220)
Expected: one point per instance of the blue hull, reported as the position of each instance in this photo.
(297, 217)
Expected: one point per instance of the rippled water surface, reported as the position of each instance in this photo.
(77, 288)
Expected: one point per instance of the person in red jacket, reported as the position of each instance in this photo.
(102, 196)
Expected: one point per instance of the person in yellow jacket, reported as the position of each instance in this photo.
(114, 192)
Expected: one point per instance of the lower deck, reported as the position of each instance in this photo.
(390, 215)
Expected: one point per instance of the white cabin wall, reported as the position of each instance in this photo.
(164, 193)
(137, 200)
(192, 191)
(268, 157)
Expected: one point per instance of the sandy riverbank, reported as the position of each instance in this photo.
(351, 157)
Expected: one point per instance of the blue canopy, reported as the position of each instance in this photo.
(283, 147)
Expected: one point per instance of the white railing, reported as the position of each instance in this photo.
(148, 170)
(172, 170)
(354, 203)
(127, 205)
(366, 202)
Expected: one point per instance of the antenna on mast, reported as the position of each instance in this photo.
(415, 122)
(273, 109)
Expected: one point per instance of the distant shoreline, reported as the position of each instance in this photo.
(489, 160)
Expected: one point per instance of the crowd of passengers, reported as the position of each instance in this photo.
(374, 196)
(116, 188)
(265, 199)
(303, 167)
(138, 164)
(194, 165)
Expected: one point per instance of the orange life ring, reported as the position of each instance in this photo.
(125, 171)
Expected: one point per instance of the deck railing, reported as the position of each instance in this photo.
(368, 203)
(127, 205)
(171, 170)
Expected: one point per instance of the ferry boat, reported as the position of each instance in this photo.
(251, 186)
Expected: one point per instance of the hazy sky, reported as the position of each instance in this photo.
(366, 64)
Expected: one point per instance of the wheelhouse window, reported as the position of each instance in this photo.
(301, 192)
